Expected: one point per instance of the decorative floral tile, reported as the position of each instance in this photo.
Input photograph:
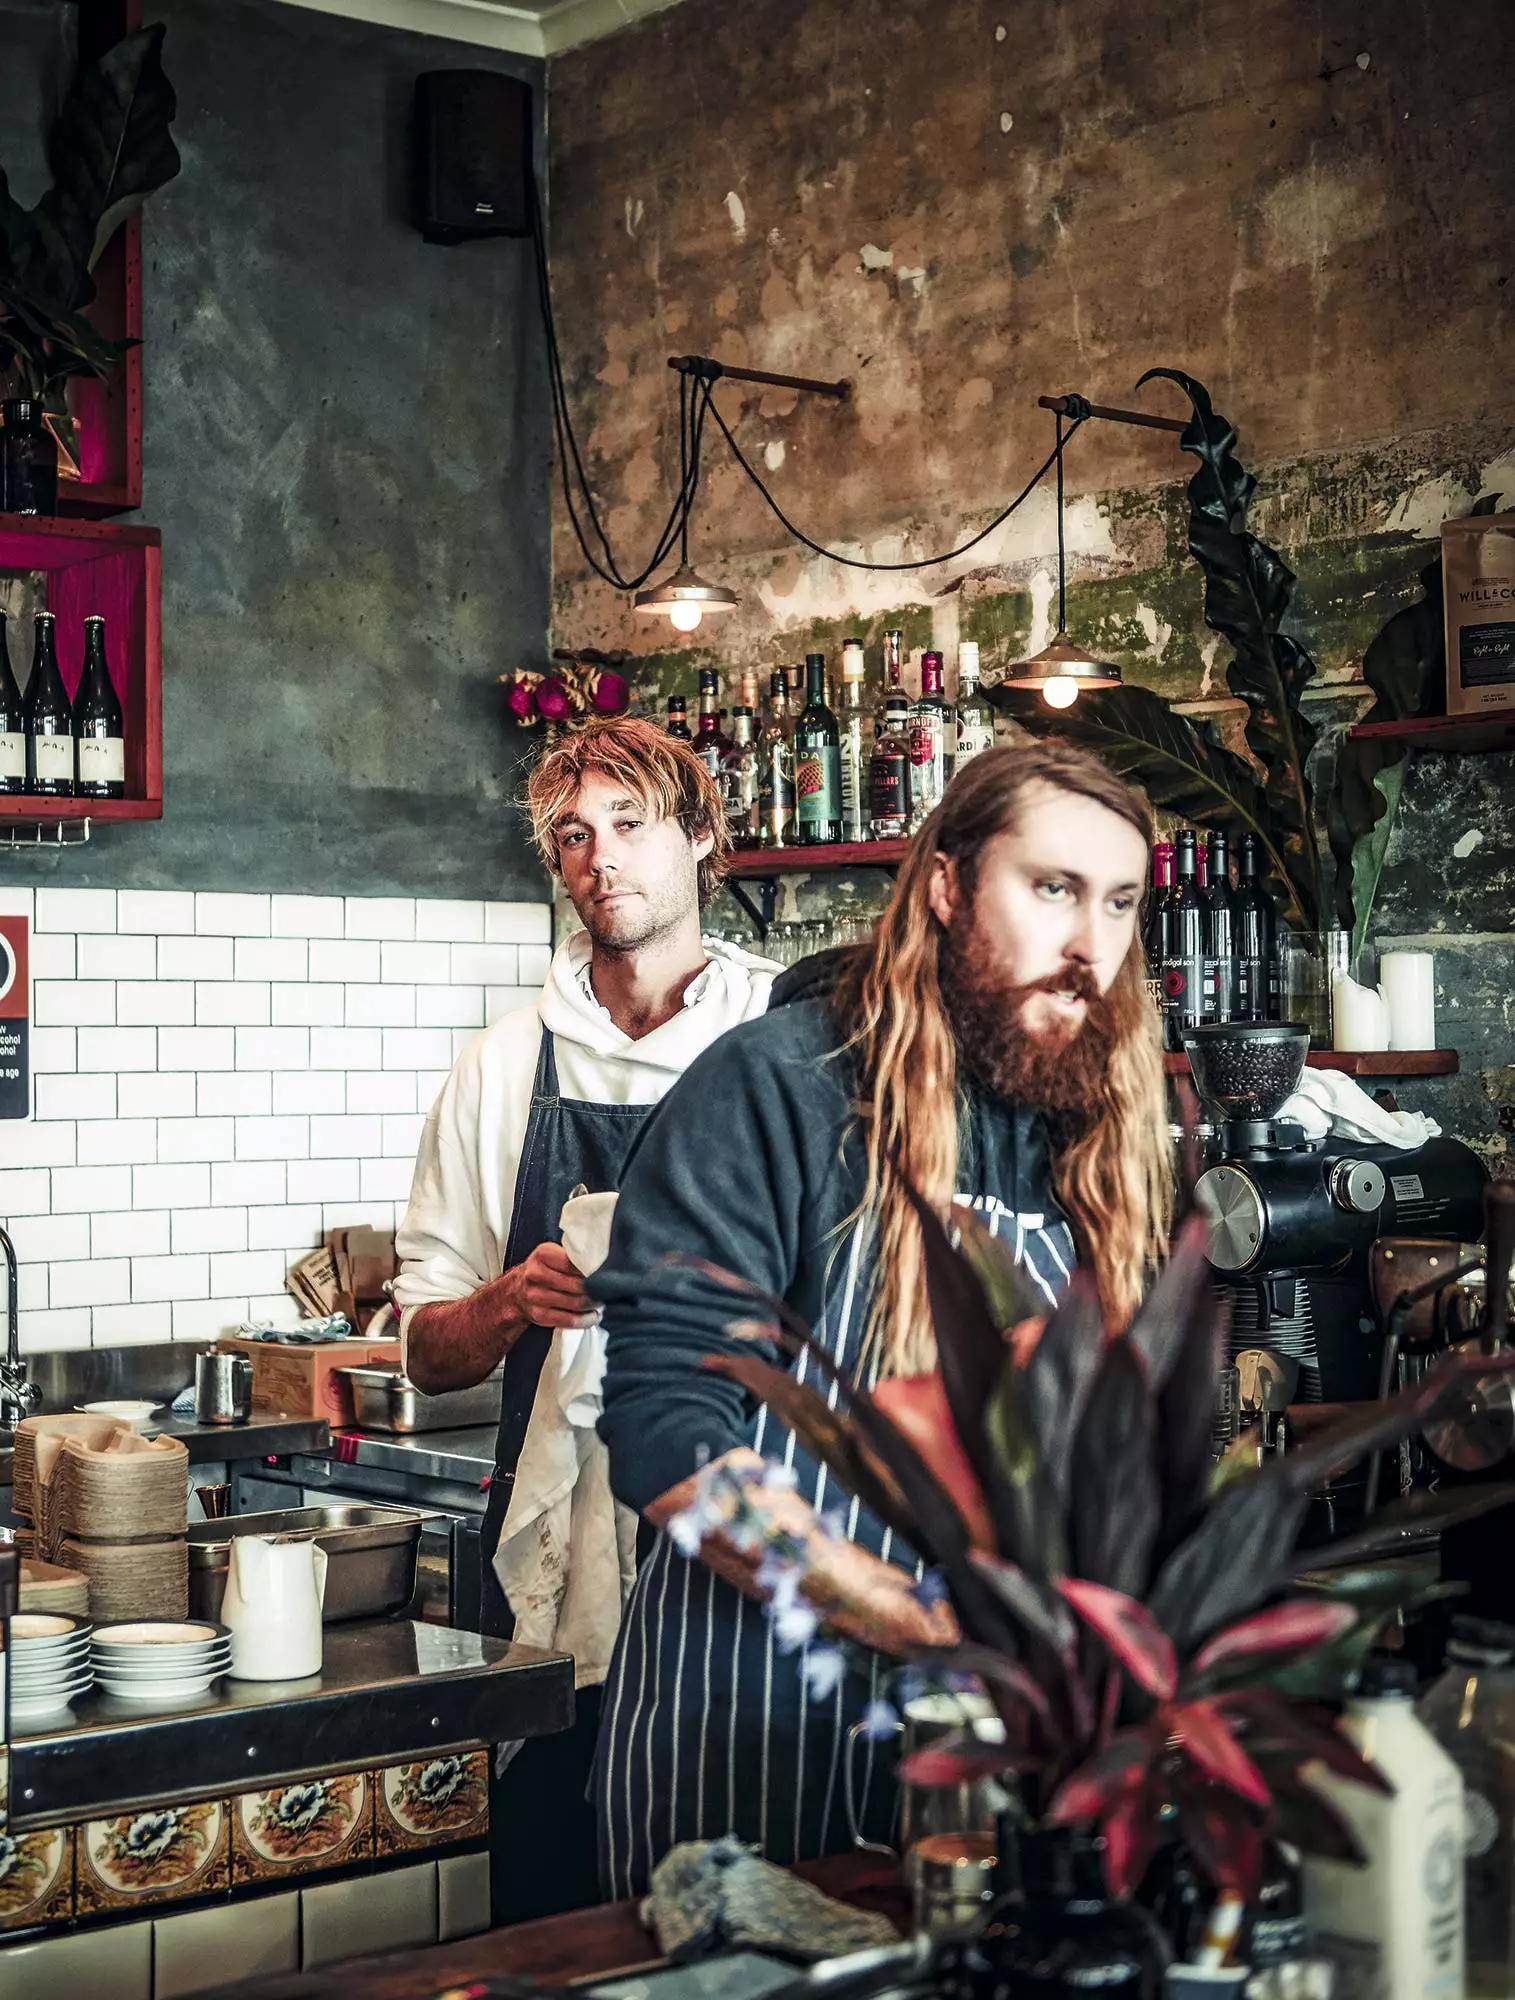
(36, 1877)
(297, 1829)
(422, 1805)
(161, 1854)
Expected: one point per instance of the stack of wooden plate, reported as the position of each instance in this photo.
(46, 1587)
(49, 1663)
(160, 1659)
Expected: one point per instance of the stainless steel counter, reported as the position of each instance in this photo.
(264, 1435)
(461, 1457)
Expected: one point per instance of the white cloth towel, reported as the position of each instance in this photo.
(1328, 1100)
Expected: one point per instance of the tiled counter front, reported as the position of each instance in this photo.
(219, 1079)
(215, 1848)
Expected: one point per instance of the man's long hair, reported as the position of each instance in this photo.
(1112, 1175)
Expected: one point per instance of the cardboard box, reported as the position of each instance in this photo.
(295, 1381)
(1478, 588)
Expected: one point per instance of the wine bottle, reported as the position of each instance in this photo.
(776, 765)
(853, 744)
(933, 741)
(739, 778)
(1155, 917)
(678, 718)
(1183, 953)
(12, 724)
(1256, 939)
(711, 741)
(975, 719)
(817, 762)
(98, 725)
(1219, 927)
(49, 720)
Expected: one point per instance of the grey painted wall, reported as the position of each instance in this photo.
(347, 451)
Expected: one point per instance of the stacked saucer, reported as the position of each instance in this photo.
(50, 1662)
(160, 1659)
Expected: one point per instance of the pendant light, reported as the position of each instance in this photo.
(1062, 670)
(685, 598)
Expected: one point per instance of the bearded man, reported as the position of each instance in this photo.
(994, 1046)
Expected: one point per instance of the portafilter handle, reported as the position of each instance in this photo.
(1499, 1252)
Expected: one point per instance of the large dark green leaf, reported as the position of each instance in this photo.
(970, 1348)
(1114, 1503)
(1010, 1292)
(1234, 1561)
(1181, 764)
(1248, 587)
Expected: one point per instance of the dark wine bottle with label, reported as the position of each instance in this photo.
(49, 720)
(99, 728)
(1256, 939)
(1219, 905)
(1184, 950)
(12, 724)
(817, 763)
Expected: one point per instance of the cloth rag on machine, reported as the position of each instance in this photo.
(710, 1895)
(1329, 1101)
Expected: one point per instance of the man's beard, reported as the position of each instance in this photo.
(622, 928)
(1061, 1070)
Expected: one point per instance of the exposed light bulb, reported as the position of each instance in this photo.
(684, 617)
(1061, 691)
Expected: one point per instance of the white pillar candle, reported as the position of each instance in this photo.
(1359, 1015)
(1408, 982)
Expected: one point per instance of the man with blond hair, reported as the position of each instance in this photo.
(543, 1105)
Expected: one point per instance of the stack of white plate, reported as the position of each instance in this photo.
(160, 1659)
(50, 1662)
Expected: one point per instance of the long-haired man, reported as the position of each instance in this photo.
(993, 1046)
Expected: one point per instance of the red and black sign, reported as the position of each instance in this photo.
(15, 1010)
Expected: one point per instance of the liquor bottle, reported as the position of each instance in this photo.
(889, 769)
(1183, 946)
(12, 724)
(49, 721)
(739, 778)
(1219, 905)
(975, 718)
(711, 741)
(1256, 939)
(853, 730)
(678, 717)
(99, 729)
(776, 765)
(817, 763)
(932, 719)
(894, 675)
(1155, 918)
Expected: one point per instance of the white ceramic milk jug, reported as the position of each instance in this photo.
(273, 1607)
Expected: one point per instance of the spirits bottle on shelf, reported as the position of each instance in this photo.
(711, 741)
(817, 763)
(12, 724)
(893, 681)
(1155, 919)
(1183, 946)
(49, 720)
(98, 724)
(739, 778)
(889, 770)
(975, 719)
(932, 721)
(1219, 929)
(678, 717)
(1256, 933)
(776, 765)
(853, 734)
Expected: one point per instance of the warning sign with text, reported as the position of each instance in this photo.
(15, 1008)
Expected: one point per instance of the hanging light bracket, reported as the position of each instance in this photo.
(704, 368)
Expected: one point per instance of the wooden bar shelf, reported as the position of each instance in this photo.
(1378, 1062)
(760, 861)
(1491, 729)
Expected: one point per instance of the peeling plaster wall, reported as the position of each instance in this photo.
(960, 207)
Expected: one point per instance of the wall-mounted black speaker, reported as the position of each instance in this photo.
(473, 155)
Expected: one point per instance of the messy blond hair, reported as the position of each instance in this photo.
(1114, 1182)
(659, 769)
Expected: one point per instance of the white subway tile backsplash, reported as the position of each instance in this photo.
(117, 1142)
(356, 1214)
(132, 1326)
(346, 1048)
(535, 960)
(78, 1190)
(449, 922)
(116, 1049)
(342, 962)
(417, 964)
(54, 1051)
(161, 1094)
(309, 1006)
(53, 955)
(185, 1185)
(46, 1238)
(292, 1230)
(209, 1229)
(196, 957)
(386, 1180)
(106, 957)
(308, 917)
(220, 915)
(208, 1319)
(155, 1003)
(231, 1004)
(133, 1232)
(381, 1006)
(100, 1282)
(276, 1308)
(234, 1183)
(381, 917)
(449, 1006)
(502, 1000)
(344, 1138)
(271, 958)
(159, 912)
(18, 903)
(42, 1143)
(73, 1097)
(246, 1271)
(379, 1090)
(76, 910)
(181, 1140)
(274, 1048)
(429, 1086)
(198, 1049)
(155, 1279)
(410, 1048)
(299, 1092)
(517, 923)
(234, 1094)
(401, 1137)
(485, 964)
(32, 1288)
(74, 1003)
(43, 1331)
(323, 1180)
(273, 1138)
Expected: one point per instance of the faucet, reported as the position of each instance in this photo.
(17, 1395)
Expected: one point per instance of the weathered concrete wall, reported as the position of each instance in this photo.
(963, 206)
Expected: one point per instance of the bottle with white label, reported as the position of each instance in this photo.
(12, 724)
(49, 721)
(1471, 1713)
(853, 734)
(975, 719)
(98, 725)
(1393, 1928)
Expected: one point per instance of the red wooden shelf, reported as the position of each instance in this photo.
(803, 860)
(1491, 729)
(1387, 1062)
(114, 569)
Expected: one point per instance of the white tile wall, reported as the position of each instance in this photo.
(218, 1079)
